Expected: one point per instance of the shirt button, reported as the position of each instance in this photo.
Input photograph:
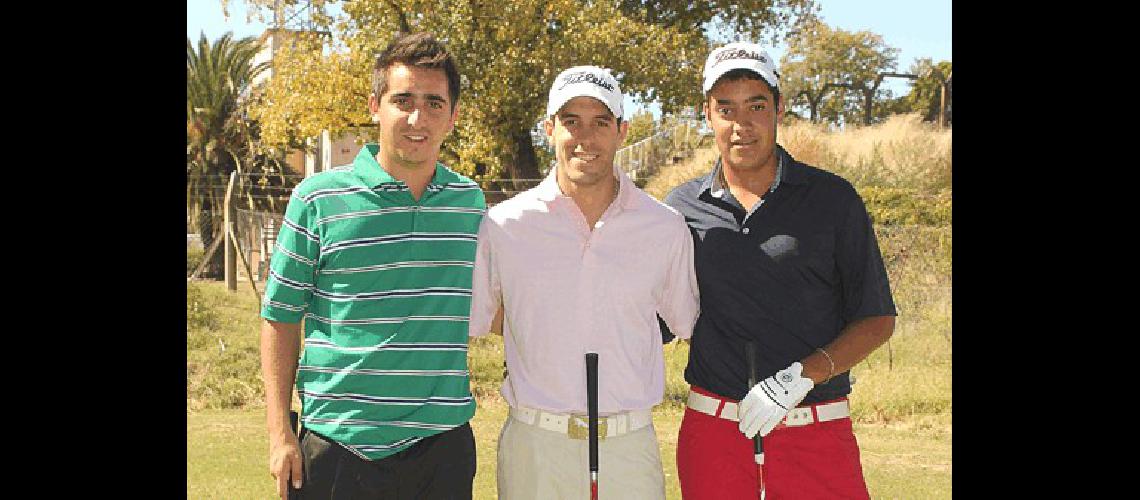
(745, 230)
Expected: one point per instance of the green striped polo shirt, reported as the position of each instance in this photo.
(383, 283)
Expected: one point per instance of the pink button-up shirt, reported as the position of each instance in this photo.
(567, 290)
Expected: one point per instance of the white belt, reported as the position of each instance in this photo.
(577, 426)
(798, 416)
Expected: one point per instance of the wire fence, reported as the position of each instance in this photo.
(917, 257)
(256, 238)
(671, 144)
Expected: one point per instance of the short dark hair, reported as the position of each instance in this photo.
(745, 74)
(420, 50)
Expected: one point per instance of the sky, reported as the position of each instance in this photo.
(918, 28)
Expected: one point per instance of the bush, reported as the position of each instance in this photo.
(199, 315)
(222, 356)
(902, 206)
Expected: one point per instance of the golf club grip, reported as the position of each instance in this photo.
(592, 406)
(750, 350)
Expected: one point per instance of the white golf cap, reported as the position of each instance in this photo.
(590, 81)
(740, 55)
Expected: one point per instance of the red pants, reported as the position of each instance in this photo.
(716, 461)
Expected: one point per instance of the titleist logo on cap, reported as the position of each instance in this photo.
(585, 76)
(738, 54)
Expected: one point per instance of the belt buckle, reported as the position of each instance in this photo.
(578, 427)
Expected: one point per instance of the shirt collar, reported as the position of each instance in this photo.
(548, 189)
(786, 171)
(372, 174)
(793, 171)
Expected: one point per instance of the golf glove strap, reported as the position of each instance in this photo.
(770, 400)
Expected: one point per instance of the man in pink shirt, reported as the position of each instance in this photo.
(584, 262)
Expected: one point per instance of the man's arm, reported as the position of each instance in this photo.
(486, 294)
(280, 345)
(769, 401)
(854, 344)
(680, 303)
(497, 323)
(866, 296)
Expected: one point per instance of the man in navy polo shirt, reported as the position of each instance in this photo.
(786, 258)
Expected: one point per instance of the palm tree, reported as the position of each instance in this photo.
(218, 137)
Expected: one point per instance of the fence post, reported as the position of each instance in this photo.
(644, 158)
(227, 224)
(942, 105)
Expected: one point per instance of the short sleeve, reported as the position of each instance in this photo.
(292, 269)
(866, 290)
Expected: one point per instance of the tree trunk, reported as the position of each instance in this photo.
(868, 96)
(526, 162)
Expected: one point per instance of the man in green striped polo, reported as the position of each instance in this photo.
(375, 257)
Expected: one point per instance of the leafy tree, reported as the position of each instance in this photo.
(925, 95)
(895, 106)
(641, 125)
(836, 73)
(507, 52)
(219, 140)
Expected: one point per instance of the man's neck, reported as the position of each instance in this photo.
(416, 177)
(592, 200)
(753, 182)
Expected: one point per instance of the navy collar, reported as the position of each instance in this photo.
(787, 170)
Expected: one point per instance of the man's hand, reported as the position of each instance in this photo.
(285, 463)
(280, 345)
(770, 400)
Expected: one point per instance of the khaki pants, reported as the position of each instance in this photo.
(534, 463)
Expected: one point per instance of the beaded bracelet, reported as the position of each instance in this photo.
(831, 371)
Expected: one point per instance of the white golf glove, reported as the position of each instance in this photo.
(770, 400)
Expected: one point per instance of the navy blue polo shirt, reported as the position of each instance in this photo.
(788, 274)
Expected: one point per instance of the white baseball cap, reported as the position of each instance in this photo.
(590, 81)
(740, 55)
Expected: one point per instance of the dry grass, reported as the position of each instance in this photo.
(901, 153)
(672, 176)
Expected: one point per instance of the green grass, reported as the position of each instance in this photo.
(227, 455)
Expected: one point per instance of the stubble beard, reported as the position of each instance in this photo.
(413, 159)
(751, 162)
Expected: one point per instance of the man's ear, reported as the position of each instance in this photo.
(373, 107)
(454, 118)
(548, 126)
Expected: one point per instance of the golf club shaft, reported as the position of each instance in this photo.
(750, 349)
(592, 415)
